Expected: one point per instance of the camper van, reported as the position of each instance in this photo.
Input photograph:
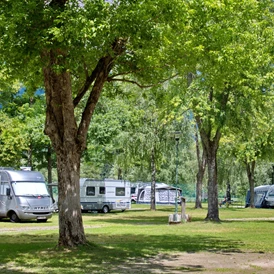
(104, 195)
(263, 196)
(24, 196)
(269, 197)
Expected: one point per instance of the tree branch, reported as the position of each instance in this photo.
(112, 79)
(118, 47)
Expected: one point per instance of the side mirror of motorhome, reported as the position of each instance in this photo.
(8, 192)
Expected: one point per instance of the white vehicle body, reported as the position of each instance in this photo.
(24, 196)
(104, 195)
(263, 196)
(269, 197)
(164, 194)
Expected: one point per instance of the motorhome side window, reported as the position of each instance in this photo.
(3, 187)
(120, 191)
(90, 191)
(102, 190)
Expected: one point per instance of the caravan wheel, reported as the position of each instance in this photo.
(14, 218)
(105, 209)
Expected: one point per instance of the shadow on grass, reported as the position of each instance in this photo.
(107, 253)
(142, 218)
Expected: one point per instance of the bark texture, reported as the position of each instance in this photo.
(250, 168)
(62, 129)
(210, 147)
(213, 208)
(153, 180)
(201, 159)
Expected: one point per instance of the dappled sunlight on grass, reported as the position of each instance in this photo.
(130, 239)
(106, 250)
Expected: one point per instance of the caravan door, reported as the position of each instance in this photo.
(4, 199)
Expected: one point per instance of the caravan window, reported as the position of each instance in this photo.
(132, 190)
(3, 188)
(102, 190)
(90, 191)
(120, 191)
(3, 183)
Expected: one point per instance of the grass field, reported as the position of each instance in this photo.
(122, 238)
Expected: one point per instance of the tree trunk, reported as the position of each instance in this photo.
(68, 139)
(71, 230)
(199, 188)
(210, 147)
(62, 129)
(210, 136)
(200, 174)
(153, 181)
(250, 168)
(213, 207)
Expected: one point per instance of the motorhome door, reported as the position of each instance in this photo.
(4, 199)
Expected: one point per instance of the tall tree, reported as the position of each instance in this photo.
(250, 139)
(231, 65)
(74, 48)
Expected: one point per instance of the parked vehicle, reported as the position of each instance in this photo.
(104, 195)
(263, 196)
(269, 197)
(24, 196)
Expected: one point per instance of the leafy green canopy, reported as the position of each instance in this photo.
(85, 30)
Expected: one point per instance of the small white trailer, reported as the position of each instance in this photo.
(104, 195)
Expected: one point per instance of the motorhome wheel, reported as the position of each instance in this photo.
(105, 209)
(14, 218)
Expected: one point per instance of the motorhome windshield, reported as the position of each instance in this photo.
(30, 188)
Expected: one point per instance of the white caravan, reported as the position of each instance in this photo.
(164, 194)
(263, 196)
(104, 195)
(24, 196)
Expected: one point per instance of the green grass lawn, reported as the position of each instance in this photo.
(123, 238)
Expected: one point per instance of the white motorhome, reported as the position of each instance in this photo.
(104, 195)
(24, 196)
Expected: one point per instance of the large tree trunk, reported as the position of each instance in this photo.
(68, 139)
(250, 168)
(61, 127)
(71, 230)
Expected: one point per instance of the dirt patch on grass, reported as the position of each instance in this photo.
(204, 262)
